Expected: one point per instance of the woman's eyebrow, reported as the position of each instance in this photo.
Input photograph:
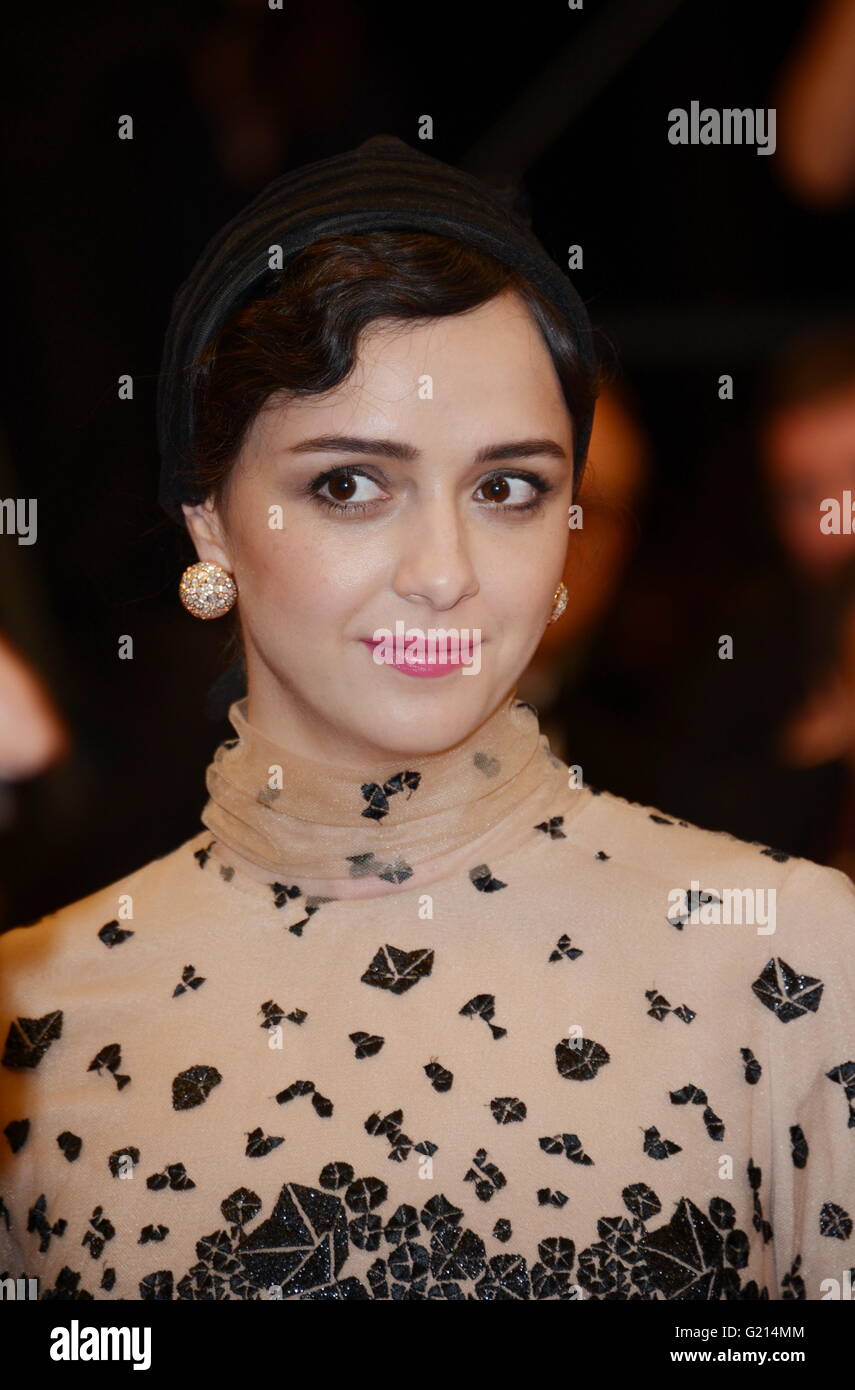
(395, 449)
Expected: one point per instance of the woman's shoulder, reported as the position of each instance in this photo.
(711, 872)
(70, 939)
(664, 838)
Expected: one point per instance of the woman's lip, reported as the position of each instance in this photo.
(375, 641)
(419, 668)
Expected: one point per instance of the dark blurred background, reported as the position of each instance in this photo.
(702, 514)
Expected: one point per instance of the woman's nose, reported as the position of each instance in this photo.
(435, 561)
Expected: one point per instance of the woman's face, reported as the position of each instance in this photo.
(434, 447)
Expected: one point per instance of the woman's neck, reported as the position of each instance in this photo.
(379, 825)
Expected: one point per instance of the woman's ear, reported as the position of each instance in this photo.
(207, 533)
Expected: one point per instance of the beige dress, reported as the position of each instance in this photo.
(454, 1028)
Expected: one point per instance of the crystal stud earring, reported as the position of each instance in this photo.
(559, 602)
(207, 590)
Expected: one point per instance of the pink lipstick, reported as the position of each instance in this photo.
(417, 668)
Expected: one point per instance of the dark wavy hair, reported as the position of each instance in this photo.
(300, 335)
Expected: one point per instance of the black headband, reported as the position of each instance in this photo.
(384, 184)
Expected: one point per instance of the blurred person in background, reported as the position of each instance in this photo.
(33, 735)
(815, 102)
(775, 539)
(821, 732)
(807, 450)
(806, 443)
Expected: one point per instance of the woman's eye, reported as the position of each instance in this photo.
(498, 491)
(344, 491)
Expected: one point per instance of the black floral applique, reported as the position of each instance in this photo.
(203, 855)
(693, 1095)
(834, 1222)
(581, 1059)
(173, 1176)
(844, 1075)
(377, 795)
(259, 1144)
(322, 1104)
(193, 1086)
(440, 1077)
(792, 1284)
(66, 1287)
(565, 950)
(37, 1220)
(189, 980)
(547, 1198)
(508, 1110)
(70, 1144)
(400, 1144)
(657, 1147)
(753, 1069)
(365, 864)
(788, 993)
(112, 934)
(102, 1231)
(695, 899)
(28, 1039)
(365, 1044)
(302, 1250)
(798, 1146)
(484, 880)
(755, 1178)
(484, 1006)
(552, 828)
(284, 893)
(696, 1256)
(660, 1008)
(486, 1176)
(17, 1133)
(273, 1015)
(118, 1161)
(570, 1145)
(152, 1233)
(779, 856)
(397, 970)
(110, 1058)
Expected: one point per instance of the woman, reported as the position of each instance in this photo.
(417, 1014)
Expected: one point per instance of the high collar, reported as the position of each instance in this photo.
(287, 818)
